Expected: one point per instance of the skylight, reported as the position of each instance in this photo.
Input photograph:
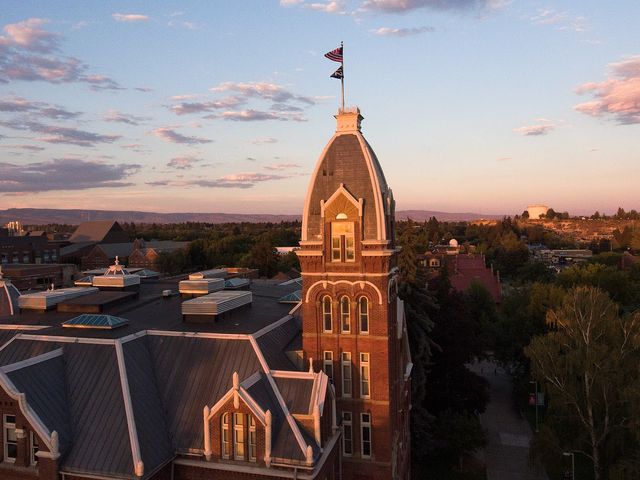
(102, 322)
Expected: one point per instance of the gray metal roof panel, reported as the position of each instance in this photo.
(296, 393)
(45, 389)
(101, 436)
(148, 411)
(273, 345)
(194, 372)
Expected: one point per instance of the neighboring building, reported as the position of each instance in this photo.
(466, 269)
(104, 254)
(353, 322)
(463, 270)
(145, 254)
(102, 231)
(40, 277)
(28, 249)
(537, 211)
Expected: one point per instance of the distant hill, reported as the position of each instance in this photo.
(41, 216)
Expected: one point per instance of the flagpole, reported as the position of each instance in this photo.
(342, 79)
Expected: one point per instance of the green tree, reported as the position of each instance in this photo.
(263, 256)
(587, 363)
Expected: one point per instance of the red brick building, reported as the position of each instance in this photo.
(353, 322)
(157, 399)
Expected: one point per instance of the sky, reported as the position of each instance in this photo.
(471, 105)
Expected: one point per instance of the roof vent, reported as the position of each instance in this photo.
(216, 303)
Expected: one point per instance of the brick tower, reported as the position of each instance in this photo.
(353, 322)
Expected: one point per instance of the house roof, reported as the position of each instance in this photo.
(93, 231)
(119, 404)
(471, 268)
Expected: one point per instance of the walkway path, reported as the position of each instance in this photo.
(507, 453)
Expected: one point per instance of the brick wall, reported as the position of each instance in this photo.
(45, 469)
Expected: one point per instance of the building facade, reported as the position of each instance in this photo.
(353, 321)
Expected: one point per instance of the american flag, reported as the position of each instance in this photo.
(335, 55)
(338, 73)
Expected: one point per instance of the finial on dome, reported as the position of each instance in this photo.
(349, 119)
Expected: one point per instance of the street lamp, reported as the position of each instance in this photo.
(573, 463)
(535, 382)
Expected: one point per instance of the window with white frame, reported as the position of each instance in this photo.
(346, 374)
(33, 447)
(327, 316)
(363, 314)
(226, 441)
(252, 439)
(9, 437)
(345, 315)
(238, 436)
(327, 365)
(365, 435)
(347, 426)
(365, 373)
(342, 242)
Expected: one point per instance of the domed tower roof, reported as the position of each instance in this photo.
(9, 295)
(349, 162)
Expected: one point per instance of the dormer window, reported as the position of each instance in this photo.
(342, 242)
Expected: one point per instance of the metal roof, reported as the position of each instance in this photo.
(88, 320)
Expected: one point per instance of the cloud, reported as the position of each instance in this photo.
(28, 35)
(263, 140)
(65, 135)
(30, 148)
(401, 6)
(560, 20)
(16, 104)
(198, 107)
(289, 3)
(183, 163)
(63, 174)
(535, 130)
(334, 6)
(618, 97)
(116, 116)
(401, 32)
(263, 90)
(504, 159)
(282, 103)
(170, 135)
(257, 115)
(237, 180)
(282, 166)
(130, 17)
(136, 147)
(30, 53)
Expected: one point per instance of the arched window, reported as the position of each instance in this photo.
(327, 317)
(345, 315)
(363, 314)
(226, 445)
(252, 439)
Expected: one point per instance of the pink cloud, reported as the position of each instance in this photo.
(281, 166)
(535, 130)
(170, 135)
(130, 17)
(617, 97)
(29, 36)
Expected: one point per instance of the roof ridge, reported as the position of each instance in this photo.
(43, 357)
(136, 455)
(283, 405)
